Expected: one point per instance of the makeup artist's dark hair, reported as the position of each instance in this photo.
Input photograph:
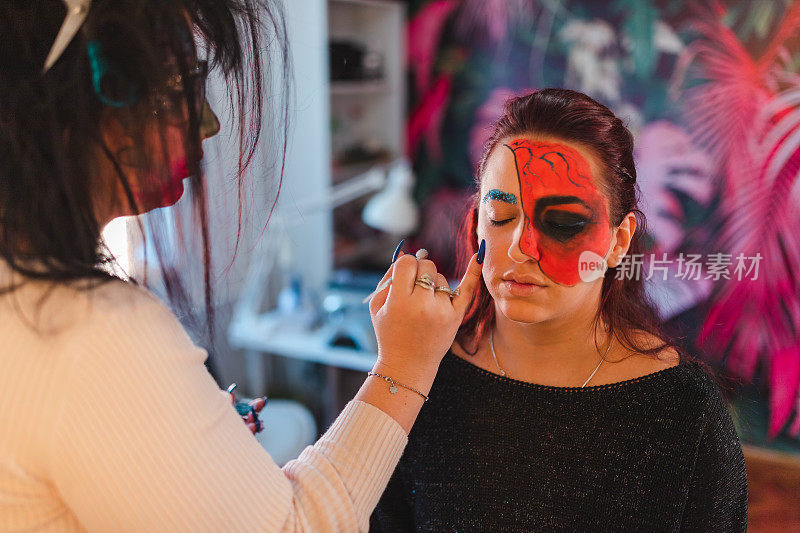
(52, 124)
(574, 117)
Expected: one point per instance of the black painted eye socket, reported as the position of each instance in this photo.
(563, 225)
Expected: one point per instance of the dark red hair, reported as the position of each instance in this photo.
(574, 117)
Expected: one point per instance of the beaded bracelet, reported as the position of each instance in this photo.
(395, 384)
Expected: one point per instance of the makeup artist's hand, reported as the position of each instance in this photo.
(414, 325)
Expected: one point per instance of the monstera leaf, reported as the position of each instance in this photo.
(669, 165)
(640, 27)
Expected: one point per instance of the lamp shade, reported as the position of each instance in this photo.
(393, 210)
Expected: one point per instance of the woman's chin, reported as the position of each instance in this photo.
(523, 312)
(165, 197)
(171, 196)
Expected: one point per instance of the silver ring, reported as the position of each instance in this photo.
(421, 254)
(426, 281)
(452, 293)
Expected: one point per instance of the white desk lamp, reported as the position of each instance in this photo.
(393, 210)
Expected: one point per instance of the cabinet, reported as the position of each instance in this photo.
(367, 98)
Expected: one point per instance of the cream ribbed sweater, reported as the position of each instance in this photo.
(109, 421)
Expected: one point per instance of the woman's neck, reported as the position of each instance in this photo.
(560, 351)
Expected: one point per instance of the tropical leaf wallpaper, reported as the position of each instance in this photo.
(711, 91)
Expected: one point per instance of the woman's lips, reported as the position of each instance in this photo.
(521, 289)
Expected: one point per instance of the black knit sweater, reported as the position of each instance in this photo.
(488, 453)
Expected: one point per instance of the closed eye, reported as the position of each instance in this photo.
(575, 224)
(564, 225)
(500, 222)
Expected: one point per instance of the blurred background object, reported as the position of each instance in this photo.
(288, 429)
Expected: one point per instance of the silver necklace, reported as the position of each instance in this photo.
(503, 372)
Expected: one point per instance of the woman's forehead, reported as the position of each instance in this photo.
(501, 172)
(501, 167)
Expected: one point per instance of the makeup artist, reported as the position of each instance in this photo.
(109, 420)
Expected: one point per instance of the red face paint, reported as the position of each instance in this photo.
(565, 214)
(171, 190)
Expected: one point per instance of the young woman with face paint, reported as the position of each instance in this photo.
(562, 405)
(109, 420)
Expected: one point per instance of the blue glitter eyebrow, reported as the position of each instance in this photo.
(501, 196)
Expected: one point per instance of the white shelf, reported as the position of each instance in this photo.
(269, 333)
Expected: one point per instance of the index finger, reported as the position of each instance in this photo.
(378, 296)
(469, 284)
(403, 276)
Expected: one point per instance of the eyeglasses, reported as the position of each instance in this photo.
(170, 102)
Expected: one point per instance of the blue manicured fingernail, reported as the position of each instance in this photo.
(397, 250)
(481, 251)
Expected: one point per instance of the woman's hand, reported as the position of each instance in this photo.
(414, 325)
(249, 410)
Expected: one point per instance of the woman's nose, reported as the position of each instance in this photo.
(525, 244)
(209, 124)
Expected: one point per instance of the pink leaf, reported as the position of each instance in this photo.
(424, 31)
(667, 161)
(426, 119)
(784, 381)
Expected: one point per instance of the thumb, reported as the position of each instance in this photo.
(468, 286)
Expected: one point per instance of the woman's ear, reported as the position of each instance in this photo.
(622, 240)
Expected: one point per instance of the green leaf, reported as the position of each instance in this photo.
(639, 27)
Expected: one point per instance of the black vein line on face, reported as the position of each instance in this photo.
(526, 168)
(527, 220)
(566, 162)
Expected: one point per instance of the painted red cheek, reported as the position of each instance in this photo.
(550, 170)
(528, 243)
